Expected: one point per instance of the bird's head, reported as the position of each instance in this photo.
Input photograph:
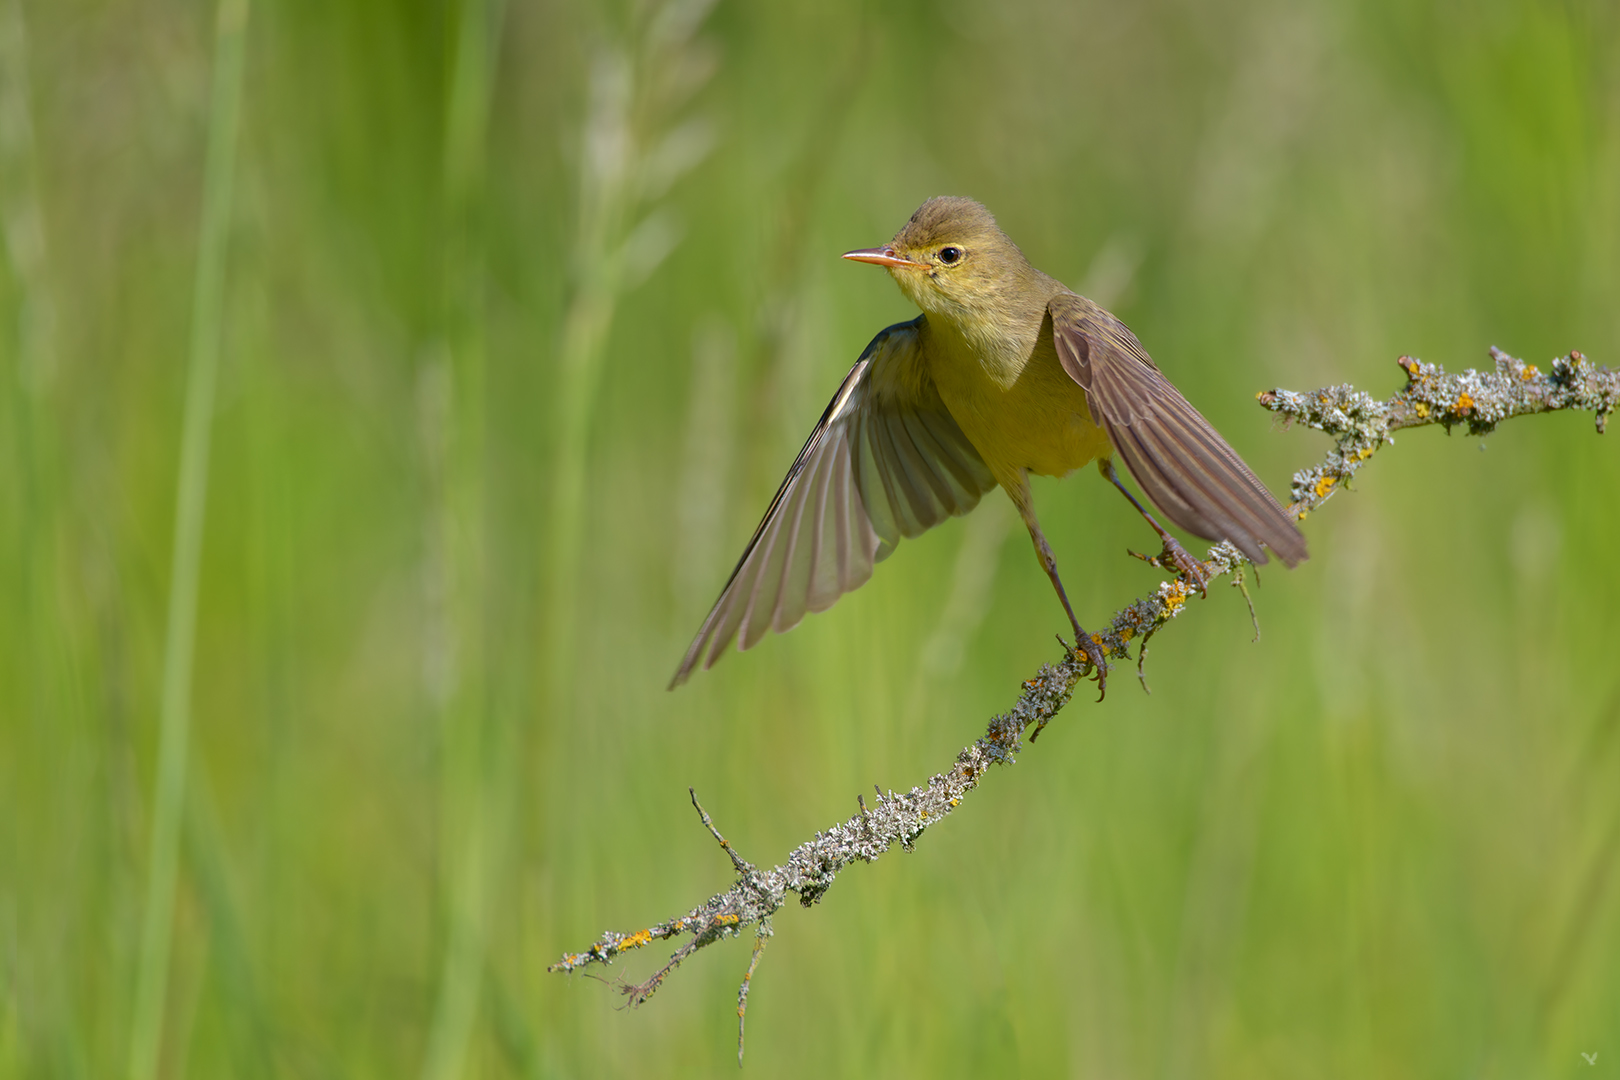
(952, 260)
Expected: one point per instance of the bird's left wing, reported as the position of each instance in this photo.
(886, 460)
(1182, 462)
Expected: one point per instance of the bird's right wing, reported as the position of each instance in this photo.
(886, 460)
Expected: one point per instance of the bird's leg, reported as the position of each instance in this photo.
(1174, 555)
(1043, 552)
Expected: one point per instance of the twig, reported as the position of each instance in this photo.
(1242, 586)
(760, 939)
(1359, 424)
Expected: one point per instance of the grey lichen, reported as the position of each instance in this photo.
(1358, 423)
(1360, 426)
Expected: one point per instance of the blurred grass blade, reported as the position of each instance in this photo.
(21, 215)
(584, 333)
(180, 638)
(473, 800)
(634, 150)
(228, 949)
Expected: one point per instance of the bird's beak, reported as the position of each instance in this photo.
(880, 256)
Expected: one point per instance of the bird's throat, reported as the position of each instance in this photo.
(999, 343)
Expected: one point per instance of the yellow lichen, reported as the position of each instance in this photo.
(1423, 408)
(727, 920)
(1364, 453)
(636, 940)
(1464, 402)
(1529, 372)
(1324, 485)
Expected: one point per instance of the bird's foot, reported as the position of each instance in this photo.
(1185, 564)
(1180, 561)
(1084, 643)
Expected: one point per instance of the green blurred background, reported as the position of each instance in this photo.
(525, 311)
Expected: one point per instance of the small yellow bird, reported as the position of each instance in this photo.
(1005, 373)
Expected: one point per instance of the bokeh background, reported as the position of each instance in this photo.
(522, 312)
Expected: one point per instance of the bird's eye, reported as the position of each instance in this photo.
(950, 255)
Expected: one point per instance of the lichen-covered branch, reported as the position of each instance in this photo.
(1360, 425)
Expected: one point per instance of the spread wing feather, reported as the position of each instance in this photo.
(1183, 464)
(885, 461)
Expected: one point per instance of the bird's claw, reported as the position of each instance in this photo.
(1177, 558)
(1094, 654)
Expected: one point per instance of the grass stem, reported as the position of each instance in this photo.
(179, 646)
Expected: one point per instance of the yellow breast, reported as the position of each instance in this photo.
(1020, 408)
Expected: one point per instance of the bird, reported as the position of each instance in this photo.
(1006, 372)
